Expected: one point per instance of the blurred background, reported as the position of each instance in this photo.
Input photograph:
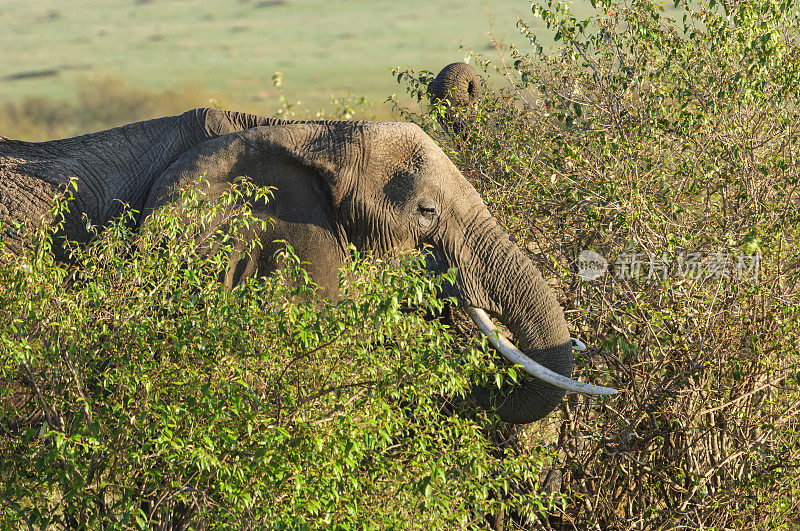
(74, 66)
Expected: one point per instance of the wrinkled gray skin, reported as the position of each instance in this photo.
(378, 186)
(457, 87)
(457, 83)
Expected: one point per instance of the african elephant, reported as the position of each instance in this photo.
(376, 186)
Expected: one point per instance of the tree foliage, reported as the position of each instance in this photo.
(138, 391)
(663, 135)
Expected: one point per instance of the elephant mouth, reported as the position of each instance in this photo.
(535, 369)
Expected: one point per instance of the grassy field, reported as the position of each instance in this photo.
(230, 49)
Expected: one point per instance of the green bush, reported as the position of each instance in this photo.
(138, 391)
(662, 133)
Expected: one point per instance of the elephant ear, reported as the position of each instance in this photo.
(274, 155)
(323, 146)
(305, 164)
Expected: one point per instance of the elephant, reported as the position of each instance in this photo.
(376, 186)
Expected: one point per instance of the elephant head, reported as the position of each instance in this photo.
(383, 187)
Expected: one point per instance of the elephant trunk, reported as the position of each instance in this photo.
(537, 324)
(458, 83)
(459, 86)
(513, 289)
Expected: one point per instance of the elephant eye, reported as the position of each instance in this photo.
(427, 213)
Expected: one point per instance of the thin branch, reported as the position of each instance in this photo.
(50, 416)
(86, 407)
(16, 508)
(329, 390)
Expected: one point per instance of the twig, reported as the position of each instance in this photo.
(337, 411)
(742, 397)
(50, 416)
(328, 390)
(86, 407)
(16, 508)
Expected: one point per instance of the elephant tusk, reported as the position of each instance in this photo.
(577, 344)
(517, 357)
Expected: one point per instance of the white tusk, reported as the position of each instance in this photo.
(517, 357)
(577, 344)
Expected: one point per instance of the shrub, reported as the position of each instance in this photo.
(662, 137)
(138, 391)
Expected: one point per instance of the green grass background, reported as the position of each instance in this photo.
(230, 49)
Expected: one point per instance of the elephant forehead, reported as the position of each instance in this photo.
(379, 151)
(407, 145)
(393, 139)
